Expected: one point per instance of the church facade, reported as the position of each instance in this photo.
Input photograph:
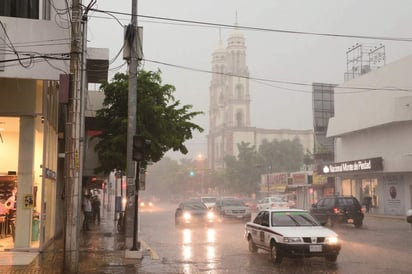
(229, 111)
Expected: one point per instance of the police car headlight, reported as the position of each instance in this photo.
(186, 216)
(332, 240)
(292, 240)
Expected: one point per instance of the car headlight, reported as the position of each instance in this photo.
(150, 204)
(332, 240)
(141, 203)
(186, 216)
(210, 215)
(292, 240)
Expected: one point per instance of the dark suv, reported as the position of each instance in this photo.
(338, 209)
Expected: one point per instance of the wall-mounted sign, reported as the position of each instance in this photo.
(372, 164)
(28, 201)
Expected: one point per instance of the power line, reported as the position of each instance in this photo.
(261, 80)
(266, 81)
(220, 25)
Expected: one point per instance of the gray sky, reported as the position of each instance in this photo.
(271, 55)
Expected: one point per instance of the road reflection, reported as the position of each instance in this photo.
(211, 235)
(198, 245)
(187, 236)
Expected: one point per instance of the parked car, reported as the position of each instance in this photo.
(338, 209)
(291, 233)
(232, 208)
(193, 212)
(280, 201)
(209, 201)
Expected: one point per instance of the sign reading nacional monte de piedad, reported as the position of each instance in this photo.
(364, 165)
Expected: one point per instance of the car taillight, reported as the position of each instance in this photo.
(335, 210)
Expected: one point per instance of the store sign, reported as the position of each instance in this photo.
(372, 164)
(319, 179)
(299, 178)
(280, 178)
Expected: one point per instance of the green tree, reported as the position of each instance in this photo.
(282, 156)
(160, 118)
(242, 175)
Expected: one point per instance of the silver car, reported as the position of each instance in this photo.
(233, 208)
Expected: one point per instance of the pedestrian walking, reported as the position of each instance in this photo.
(87, 210)
(96, 209)
(367, 202)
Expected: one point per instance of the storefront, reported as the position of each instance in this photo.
(28, 161)
(366, 180)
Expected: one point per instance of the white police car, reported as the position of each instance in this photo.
(291, 233)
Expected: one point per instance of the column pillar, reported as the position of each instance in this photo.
(24, 181)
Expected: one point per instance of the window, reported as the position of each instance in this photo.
(239, 91)
(20, 8)
(239, 118)
(265, 218)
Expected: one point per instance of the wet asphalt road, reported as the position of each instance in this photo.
(382, 245)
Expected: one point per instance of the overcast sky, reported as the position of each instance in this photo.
(271, 55)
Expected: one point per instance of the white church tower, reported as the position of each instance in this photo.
(229, 98)
(229, 108)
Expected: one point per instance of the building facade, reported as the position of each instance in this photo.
(34, 51)
(372, 128)
(229, 122)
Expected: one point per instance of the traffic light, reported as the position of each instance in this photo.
(139, 147)
(191, 173)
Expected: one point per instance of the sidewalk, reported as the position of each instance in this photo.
(101, 251)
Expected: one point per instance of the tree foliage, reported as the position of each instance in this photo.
(160, 118)
(243, 172)
(282, 156)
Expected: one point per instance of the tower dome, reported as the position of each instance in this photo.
(236, 37)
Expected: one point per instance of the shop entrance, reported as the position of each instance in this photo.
(8, 192)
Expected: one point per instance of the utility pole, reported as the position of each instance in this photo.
(132, 186)
(73, 159)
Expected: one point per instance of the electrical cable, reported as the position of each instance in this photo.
(359, 89)
(399, 39)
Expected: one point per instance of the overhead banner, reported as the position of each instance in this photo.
(364, 165)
